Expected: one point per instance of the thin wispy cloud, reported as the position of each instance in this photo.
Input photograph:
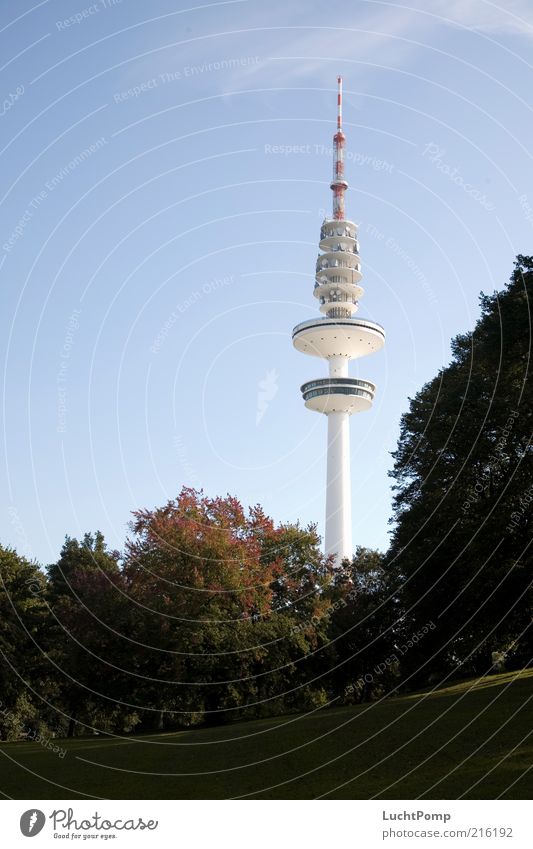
(306, 46)
(307, 50)
(482, 15)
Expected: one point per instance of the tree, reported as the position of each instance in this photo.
(24, 686)
(219, 596)
(88, 635)
(462, 471)
(363, 629)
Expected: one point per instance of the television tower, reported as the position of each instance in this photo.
(338, 338)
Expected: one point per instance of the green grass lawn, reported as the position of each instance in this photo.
(469, 740)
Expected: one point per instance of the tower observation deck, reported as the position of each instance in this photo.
(338, 337)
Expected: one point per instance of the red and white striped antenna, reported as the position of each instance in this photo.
(338, 183)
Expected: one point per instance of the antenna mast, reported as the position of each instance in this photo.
(338, 183)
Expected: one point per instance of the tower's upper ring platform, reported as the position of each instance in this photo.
(343, 337)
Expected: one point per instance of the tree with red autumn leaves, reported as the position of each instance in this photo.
(217, 595)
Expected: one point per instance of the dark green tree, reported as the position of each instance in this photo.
(460, 552)
(88, 636)
(25, 687)
(364, 630)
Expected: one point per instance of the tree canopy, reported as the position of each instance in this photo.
(461, 543)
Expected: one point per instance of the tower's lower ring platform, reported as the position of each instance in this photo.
(346, 337)
(338, 395)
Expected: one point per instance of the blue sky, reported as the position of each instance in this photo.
(165, 170)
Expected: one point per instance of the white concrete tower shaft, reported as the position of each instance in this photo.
(338, 481)
(338, 337)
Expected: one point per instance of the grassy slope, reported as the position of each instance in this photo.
(471, 740)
